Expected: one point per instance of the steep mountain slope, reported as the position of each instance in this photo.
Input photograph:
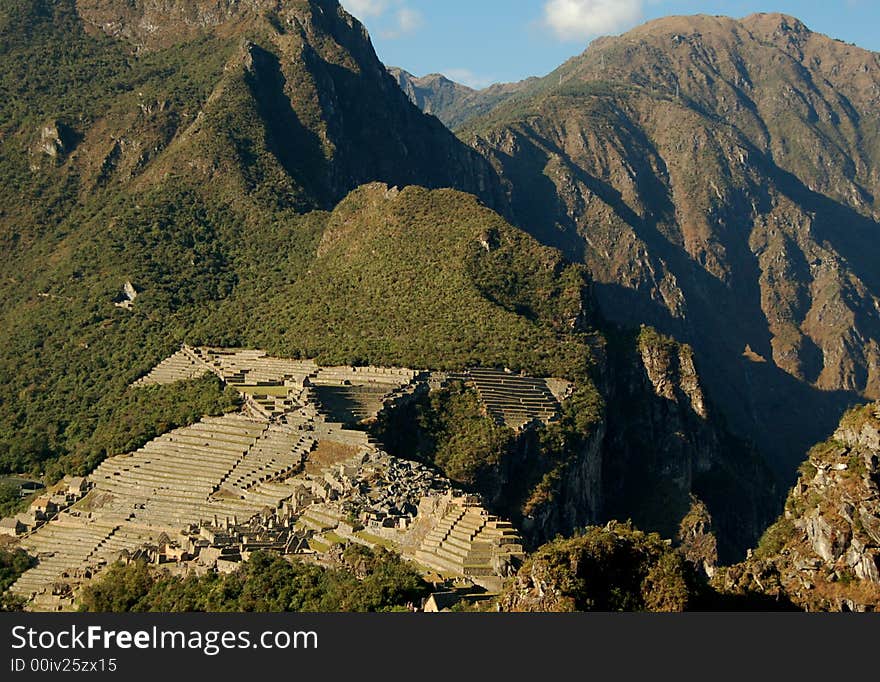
(284, 98)
(824, 553)
(184, 164)
(666, 444)
(202, 164)
(720, 178)
(454, 103)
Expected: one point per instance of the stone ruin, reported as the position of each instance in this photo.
(516, 400)
(126, 298)
(287, 473)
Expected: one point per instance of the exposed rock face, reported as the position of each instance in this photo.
(126, 297)
(665, 444)
(451, 102)
(575, 497)
(697, 540)
(304, 79)
(720, 178)
(824, 553)
(53, 142)
(153, 24)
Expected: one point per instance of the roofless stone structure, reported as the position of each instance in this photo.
(292, 448)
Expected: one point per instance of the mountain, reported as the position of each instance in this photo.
(682, 221)
(453, 103)
(421, 278)
(720, 178)
(254, 96)
(179, 151)
(824, 552)
(241, 174)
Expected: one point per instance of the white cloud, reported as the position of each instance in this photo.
(393, 17)
(581, 19)
(409, 20)
(404, 22)
(468, 77)
(366, 8)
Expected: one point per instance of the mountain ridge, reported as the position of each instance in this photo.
(453, 103)
(704, 168)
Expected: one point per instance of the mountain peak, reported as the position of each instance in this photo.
(775, 21)
(152, 24)
(709, 23)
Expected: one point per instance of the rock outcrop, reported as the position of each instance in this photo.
(697, 540)
(615, 568)
(53, 143)
(666, 443)
(824, 553)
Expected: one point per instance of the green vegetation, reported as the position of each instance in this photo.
(615, 568)
(557, 445)
(856, 418)
(73, 235)
(173, 173)
(775, 538)
(12, 564)
(225, 260)
(652, 340)
(113, 425)
(450, 430)
(404, 281)
(366, 581)
(11, 501)
(518, 474)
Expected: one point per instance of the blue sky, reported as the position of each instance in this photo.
(479, 42)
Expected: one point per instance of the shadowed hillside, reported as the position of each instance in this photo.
(720, 180)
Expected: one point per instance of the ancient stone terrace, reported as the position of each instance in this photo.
(511, 399)
(276, 456)
(61, 547)
(253, 367)
(284, 449)
(220, 467)
(466, 540)
(354, 394)
(179, 367)
(274, 387)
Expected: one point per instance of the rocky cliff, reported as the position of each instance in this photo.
(824, 552)
(451, 102)
(666, 444)
(720, 178)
